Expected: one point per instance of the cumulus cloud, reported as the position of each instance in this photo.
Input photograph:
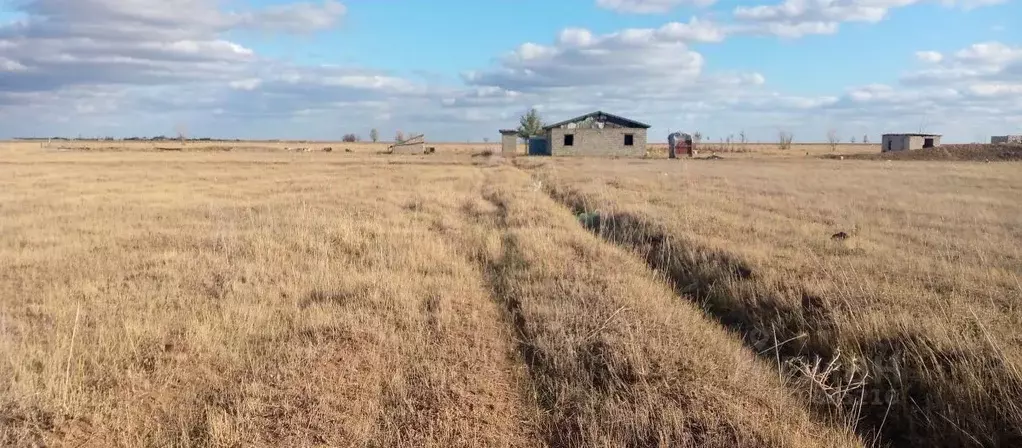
(974, 90)
(649, 73)
(797, 18)
(579, 59)
(295, 17)
(92, 65)
(929, 56)
(989, 62)
(100, 59)
(83, 42)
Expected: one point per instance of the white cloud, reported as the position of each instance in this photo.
(91, 65)
(295, 17)
(980, 62)
(246, 84)
(976, 90)
(7, 65)
(932, 57)
(796, 18)
(996, 89)
(643, 58)
(62, 43)
(989, 53)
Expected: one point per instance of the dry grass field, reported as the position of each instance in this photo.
(257, 297)
(907, 321)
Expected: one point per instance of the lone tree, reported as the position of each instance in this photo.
(399, 137)
(865, 138)
(531, 124)
(374, 135)
(833, 139)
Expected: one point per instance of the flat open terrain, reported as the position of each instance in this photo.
(271, 298)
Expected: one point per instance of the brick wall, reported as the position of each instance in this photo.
(906, 142)
(598, 142)
(1006, 139)
(509, 145)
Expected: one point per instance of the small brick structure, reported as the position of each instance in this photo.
(1006, 139)
(907, 142)
(597, 134)
(508, 142)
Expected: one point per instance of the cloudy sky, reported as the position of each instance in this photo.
(460, 69)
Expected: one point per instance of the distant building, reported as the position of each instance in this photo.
(508, 142)
(1014, 139)
(906, 142)
(593, 134)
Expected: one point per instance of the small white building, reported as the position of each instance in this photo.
(906, 142)
(1003, 139)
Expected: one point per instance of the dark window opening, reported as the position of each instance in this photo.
(629, 140)
(928, 143)
(889, 145)
(569, 140)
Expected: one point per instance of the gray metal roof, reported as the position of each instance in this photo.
(622, 120)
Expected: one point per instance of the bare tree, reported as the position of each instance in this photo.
(784, 139)
(924, 125)
(833, 139)
(853, 140)
(374, 135)
(182, 132)
(865, 138)
(399, 137)
(697, 137)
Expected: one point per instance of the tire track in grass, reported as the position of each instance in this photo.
(613, 358)
(460, 386)
(902, 390)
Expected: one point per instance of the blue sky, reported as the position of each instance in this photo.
(458, 69)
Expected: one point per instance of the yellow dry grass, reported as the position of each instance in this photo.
(262, 298)
(908, 327)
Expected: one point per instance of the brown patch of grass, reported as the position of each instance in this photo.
(907, 326)
(235, 302)
(965, 152)
(614, 358)
(267, 299)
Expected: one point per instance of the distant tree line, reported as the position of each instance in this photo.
(156, 138)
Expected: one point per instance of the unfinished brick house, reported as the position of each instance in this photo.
(908, 142)
(1006, 139)
(593, 134)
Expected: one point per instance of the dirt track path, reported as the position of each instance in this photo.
(613, 356)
